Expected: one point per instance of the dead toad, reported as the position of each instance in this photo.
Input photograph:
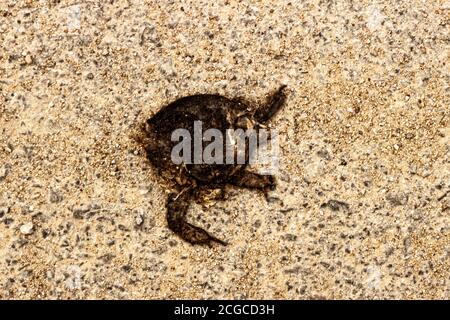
(191, 181)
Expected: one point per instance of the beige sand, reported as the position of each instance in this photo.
(366, 123)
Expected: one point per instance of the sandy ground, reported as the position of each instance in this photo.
(362, 208)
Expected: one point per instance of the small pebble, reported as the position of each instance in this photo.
(28, 59)
(3, 173)
(26, 228)
(139, 219)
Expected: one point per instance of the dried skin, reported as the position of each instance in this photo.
(193, 180)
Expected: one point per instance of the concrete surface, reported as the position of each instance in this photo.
(362, 208)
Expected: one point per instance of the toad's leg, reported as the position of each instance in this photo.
(273, 105)
(251, 180)
(177, 207)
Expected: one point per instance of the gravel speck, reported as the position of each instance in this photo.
(82, 211)
(139, 219)
(3, 173)
(28, 59)
(335, 205)
(55, 197)
(3, 211)
(26, 228)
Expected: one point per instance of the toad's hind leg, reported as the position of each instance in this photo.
(251, 180)
(177, 207)
(273, 105)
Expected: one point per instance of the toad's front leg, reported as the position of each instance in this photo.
(177, 208)
(274, 103)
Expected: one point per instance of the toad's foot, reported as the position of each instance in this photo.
(177, 207)
(196, 235)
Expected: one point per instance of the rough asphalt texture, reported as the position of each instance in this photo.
(362, 208)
